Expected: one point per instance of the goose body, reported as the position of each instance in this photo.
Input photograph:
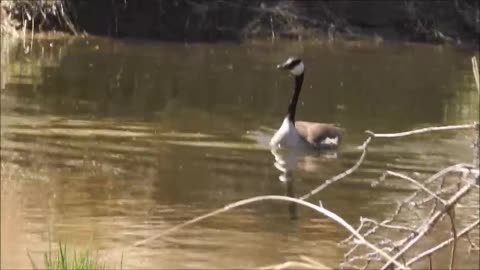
(302, 134)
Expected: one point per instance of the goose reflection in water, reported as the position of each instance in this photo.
(287, 161)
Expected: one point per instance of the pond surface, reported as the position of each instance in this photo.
(106, 142)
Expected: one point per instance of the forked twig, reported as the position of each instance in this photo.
(388, 226)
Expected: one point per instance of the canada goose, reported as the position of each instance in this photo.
(300, 133)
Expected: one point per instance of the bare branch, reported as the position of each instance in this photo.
(410, 202)
(417, 131)
(411, 180)
(431, 222)
(443, 244)
(345, 241)
(313, 262)
(346, 265)
(317, 208)
(289, 265)
(441, 191)
(447, 170)
(308, 263)
(385, 225)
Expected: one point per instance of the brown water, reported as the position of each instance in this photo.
(104, 143)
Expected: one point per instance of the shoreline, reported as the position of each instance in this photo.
(226, 21)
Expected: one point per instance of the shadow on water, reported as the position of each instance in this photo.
(109, 142)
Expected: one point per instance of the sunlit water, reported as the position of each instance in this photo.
(105, 143)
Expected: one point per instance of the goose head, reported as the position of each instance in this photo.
(294, 65)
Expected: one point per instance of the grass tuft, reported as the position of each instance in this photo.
(61, 260)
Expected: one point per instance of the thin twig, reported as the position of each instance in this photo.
(475, 73)
(451, 215)
(313, 262)
(444, 172)
(67, 20)
(447, 170)
(445, 243)
(341, 175)
(360, 227)
(472, 246)
(308, 263)
(431, 222)
(411, 180)
(395, 227)
(346, 265)
(439, 192)
(289, 265)
(371, 256)
(374, 229)
(386, 223)
(422, 130)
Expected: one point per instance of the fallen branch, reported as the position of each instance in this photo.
(317, 208)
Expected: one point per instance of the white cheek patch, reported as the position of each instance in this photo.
(298, 69)
(330, 141)
(289, 61)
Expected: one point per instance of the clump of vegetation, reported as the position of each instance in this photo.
(61, 260)
(190, 20)
(36, 15)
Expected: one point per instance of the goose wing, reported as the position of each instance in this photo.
(319, 134)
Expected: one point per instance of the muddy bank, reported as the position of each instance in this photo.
(455, 21)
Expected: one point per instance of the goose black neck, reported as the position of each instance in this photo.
(292, 107)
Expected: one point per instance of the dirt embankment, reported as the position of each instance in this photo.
(195, 20)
